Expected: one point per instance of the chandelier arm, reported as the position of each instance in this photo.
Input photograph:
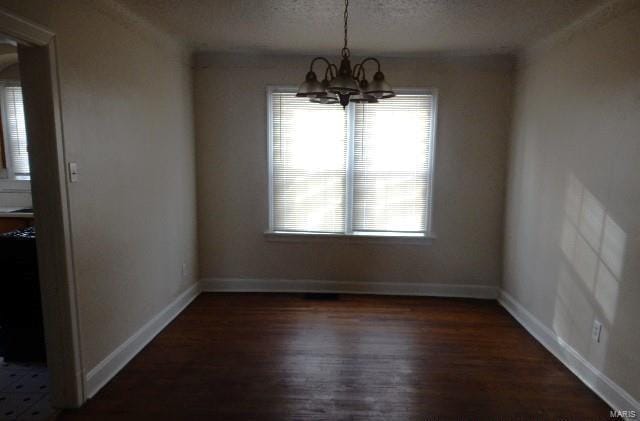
(328, 72)
(316, 59)
(357, 70)
(334, 70)
(370, 59)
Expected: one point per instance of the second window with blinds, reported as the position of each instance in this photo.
(366, 170)
(15, 156)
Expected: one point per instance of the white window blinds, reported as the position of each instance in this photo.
(16, 132)
(365, 170)
(309, 148)
(392, 158)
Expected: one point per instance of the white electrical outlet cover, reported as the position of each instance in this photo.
(597, 331)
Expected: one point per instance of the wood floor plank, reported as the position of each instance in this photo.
(284, 357)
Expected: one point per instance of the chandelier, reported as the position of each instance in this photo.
(345, 84)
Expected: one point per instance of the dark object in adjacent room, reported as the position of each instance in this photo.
(20, 306)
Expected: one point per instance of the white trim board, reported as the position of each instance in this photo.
(23, 30)
(114, 362)
(339, 287)
(603, 386)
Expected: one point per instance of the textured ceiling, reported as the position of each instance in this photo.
(382, 26)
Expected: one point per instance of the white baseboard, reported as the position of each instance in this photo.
(114, 362)
(603, 386)
(338, 287)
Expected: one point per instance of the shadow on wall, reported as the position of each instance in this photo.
(590, 275)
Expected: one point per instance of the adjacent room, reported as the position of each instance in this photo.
(319, 210)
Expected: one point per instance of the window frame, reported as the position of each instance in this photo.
(423, 237)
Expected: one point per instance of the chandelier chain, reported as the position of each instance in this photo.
(346, 21)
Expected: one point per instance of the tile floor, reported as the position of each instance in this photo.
(24, 392)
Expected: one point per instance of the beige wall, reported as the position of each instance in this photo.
(572, 251)
(128, 123)
(231, 132)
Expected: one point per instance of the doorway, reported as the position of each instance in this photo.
(39, 93)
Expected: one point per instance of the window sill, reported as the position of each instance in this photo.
(370, 238)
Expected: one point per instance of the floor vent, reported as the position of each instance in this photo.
(321, 296)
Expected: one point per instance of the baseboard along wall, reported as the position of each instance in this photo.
(614, 395)
(100, 375)
(376, 288)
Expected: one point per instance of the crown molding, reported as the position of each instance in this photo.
(26, 31)
(595, 17)
(139, 25)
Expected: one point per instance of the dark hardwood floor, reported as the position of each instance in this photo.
(283, 357)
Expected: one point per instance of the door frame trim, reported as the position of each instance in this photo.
(37, 46)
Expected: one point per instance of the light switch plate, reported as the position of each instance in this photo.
(73, 172)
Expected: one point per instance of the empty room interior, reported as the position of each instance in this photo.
(319, 209)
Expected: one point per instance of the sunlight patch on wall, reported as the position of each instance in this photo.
(606, 292)
(573, 306)
(593, 245)
(613, 246)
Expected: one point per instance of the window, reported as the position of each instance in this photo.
(14, 133)
(366, 170)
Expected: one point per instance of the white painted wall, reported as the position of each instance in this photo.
(231, 129)
(11, 198)
(572, 248)
(126, 94)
